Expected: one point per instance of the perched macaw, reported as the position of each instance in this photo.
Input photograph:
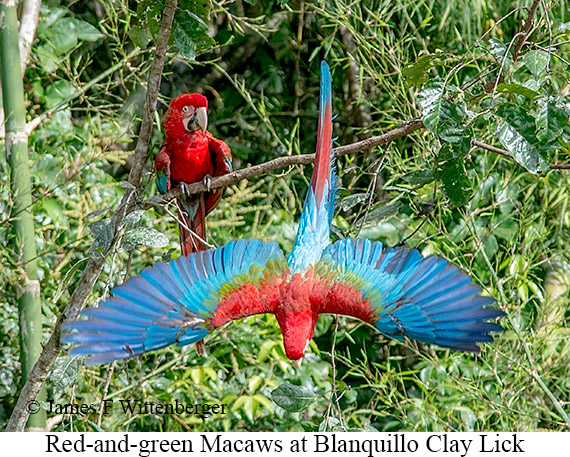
(191, 154)
(401, 293)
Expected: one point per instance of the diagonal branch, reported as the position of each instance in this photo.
(304, 159)
(286, 161)
(526, 28)
(507, 154)
(93, 268)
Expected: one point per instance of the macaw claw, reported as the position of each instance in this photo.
(207, 182)
(184, 188)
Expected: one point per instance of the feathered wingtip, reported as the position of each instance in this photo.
(169, 303)
(425, 299)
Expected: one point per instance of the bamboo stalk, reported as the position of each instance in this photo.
(28, 288)
(93, 268)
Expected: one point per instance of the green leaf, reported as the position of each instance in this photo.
(323, 325)
(507, 229)
(263, 400)
(48, 17)
(83, 30)
(55, 211)
(536, 61)
(455, 182)
(96, 213)
(419, 177)
(417, 73)
(331, 424)
(517, 89)
(550, 120)
(64, 372)
(379, 215)
(255, 383)
(309, 426)
(131, 219)
(440, 116)
(501, 52)
(201, 8)
(61, 36)
(145, 236)
(103, 231)
(491, 246)
(517, 134)
(57, 92)
(47, 57)
(247, 404)
(430, 100)
(467, 416)
(153, 15)
(140, 36)
(94, 425)
(292, 398)
(352, 200)
(191, 35)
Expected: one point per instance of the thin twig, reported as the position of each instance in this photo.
(505, 153)
(333, 387)
(105, 392)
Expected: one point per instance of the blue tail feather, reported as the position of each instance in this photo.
(313, 235)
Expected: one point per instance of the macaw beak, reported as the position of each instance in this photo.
(202, 119)
(297, 363)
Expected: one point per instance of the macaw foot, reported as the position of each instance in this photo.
(200, 347)
(207, 182)
(184, 188)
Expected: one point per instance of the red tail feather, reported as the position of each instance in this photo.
(322, 171)
(189, 242)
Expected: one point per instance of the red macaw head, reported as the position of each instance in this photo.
(295, 314)
(187, 114)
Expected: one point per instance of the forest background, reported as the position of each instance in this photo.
(464, 111)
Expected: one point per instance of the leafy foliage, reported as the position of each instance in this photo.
(504, 221)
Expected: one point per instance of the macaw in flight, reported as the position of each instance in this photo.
(397, 290)
(191, 154)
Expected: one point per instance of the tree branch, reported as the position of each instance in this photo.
(505, 153)
(281, 162)
(523, 34)
(93, 268)
(304, 159)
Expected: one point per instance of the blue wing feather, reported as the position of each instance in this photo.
(166, 304)
(425, 299)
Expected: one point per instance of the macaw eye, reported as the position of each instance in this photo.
(186, 109)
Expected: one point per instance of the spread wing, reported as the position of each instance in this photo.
(175, 302)
(407, 295)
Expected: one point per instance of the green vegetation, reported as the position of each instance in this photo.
(462, 66)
